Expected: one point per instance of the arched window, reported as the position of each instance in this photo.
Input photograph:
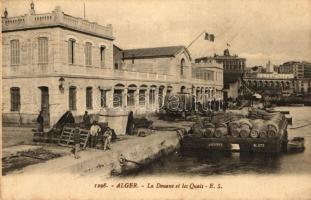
(182, 66)
(15, 99)
(131, 95)
(43, 50)
(71, 51)
(15, 52)
(88, 54)
(142, 95)
(152, 94)
(72, 98)
(89, 98)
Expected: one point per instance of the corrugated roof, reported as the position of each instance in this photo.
(152, 52)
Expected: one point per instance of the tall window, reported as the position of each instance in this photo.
(71, 51)
(182, 67)
(130, 98)
(89, 98)
(15, 52)
(88, 54)
(102, 56)
(43, 50)
(72, 98)
(117, 98)
(152, 96)
(15, 99)
(142, 97)
(103, 98)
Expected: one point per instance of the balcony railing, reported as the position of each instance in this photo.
(57, 17)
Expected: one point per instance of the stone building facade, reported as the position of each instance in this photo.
(233, 67)
(302, 74)
(55, 62)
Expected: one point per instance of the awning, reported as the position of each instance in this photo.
(119, 86)
(132, 87)
(143, 87)
(153, 87)
(104, 87)
(169, 88)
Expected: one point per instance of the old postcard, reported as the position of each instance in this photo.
(152, 99)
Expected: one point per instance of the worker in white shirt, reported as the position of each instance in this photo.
(94, 130)
(107, 138)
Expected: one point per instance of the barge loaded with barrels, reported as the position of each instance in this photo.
(246, 129)
(251, 130)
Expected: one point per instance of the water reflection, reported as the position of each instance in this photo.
(208, 163)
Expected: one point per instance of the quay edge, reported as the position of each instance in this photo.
(137, 152)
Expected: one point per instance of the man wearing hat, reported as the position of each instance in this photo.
(95, 129)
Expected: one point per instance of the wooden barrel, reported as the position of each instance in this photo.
(221, 130)
(209, 129)
(258, 128)
(245, 127)
(197, 129)
(254, 133)
(234, 128)
(272, 129)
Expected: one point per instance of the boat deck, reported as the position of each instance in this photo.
(269, 145)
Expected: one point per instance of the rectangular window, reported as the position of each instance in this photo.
(43, 50)
(15, 99)
(142, 97)
(102, 56)
(103, 98)
(71, 50)
(130, 98)
(15, 52)
(151, 96)
(89, 98)
(88, 54)
(117, 98)
(72, 98)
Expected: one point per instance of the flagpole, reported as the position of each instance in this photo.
(195, 39)
(84, 9)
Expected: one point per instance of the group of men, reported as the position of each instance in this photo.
(95, 132)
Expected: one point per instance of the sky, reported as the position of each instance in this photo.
(258, 30)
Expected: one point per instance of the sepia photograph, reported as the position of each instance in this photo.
(154, 99)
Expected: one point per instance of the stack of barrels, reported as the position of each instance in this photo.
(259, 124)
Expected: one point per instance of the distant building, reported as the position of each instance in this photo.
(233, 66)
(299, 69)
(55, 62)
(302, 74)
(271, 84)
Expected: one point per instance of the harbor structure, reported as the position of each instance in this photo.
(54, 62)
(272, 85)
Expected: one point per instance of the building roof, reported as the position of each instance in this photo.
(169, 51)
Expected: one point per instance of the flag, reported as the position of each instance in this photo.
(206, 36)
(212, 37)
(209, 37)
